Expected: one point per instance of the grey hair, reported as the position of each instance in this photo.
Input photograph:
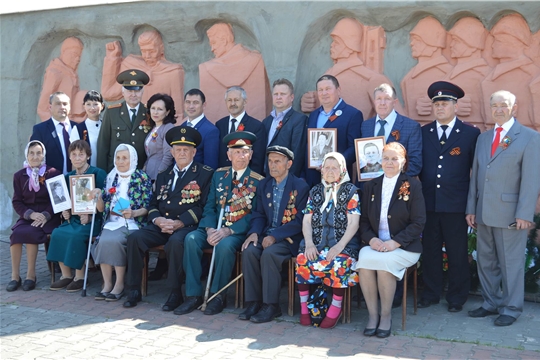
(507, 95)
(236, 88)
(386, 88)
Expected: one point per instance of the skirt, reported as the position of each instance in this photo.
(25, 233)
(336, 273)
(69, 244)
(111, 247)
(395, 262)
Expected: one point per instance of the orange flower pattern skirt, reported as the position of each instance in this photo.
(336, 273)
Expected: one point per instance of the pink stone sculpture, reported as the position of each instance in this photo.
(512, 38)
(61, 75)
(428, 39)
(468, 37)
(165, 77)
(358, 65)
(233, 65)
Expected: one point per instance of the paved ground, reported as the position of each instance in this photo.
(44, 324)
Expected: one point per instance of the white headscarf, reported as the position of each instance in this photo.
(34, 172)
(330, 189)
(132, 164)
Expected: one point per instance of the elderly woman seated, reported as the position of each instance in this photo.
(128, 191)
(69, 242)
(393, 217)
(330, 247)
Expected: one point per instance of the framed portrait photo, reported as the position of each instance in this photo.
(369, 157)
(320, 143)
(58, 193)
(81, 187)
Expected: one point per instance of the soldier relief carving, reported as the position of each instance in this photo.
(479, 60)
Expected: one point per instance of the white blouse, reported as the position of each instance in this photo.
(389, 184)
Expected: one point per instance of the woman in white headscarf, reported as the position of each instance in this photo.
(36, 217)
(124, 203)
(330, 246)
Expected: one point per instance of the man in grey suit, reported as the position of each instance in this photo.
(502, 198)
(285, 126)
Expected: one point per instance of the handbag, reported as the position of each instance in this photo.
(318, 305)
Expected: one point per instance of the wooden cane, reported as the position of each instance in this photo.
(209, 280)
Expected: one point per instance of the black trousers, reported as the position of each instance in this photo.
(450, 228)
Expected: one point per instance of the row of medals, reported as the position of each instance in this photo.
(241, 200)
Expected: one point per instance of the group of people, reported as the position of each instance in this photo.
(201, 186)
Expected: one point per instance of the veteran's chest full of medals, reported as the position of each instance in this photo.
(239, 204)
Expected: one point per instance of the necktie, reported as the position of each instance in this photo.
(234, 180)
(233, 128)
(443, 137)
(177, 175)
(65, 135)
(381, 130)
(190, 124)
(133, 115)
(496, 141)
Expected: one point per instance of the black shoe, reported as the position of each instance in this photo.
(505, 320)
(424, 303)
(252, 309)
(396, 303)
(134, 296)
(161, 268)
(29, 284)
(267, 313)
(175, 300)
(384, 333)
(481, 312)
(13, 285)
(191, 303)
(371, 332)
(216, 305)
(455, 307)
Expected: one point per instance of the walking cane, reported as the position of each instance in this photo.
(209, 281)
(83, 294)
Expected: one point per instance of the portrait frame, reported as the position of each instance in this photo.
(315, 155)
(360, 145)
(60, 201)
(81, 187)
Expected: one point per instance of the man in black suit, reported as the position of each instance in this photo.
(285, 126)
(448, 147)
(239, 120)
(175, 210)
(54, 133)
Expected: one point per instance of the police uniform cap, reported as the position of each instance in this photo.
(183, 135)
(444, 91)
(282, 150)
(133, 79)
(240, 139)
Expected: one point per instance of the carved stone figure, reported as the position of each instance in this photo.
(357, 81)
(61, 75)
(428, 39)
(165, 77)
(515, 70)
(233, 65)
(468, 40)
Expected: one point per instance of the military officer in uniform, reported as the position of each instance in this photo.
(448, 147)
(235, 185)
(125, 123)
(175, 210)
(274, 235)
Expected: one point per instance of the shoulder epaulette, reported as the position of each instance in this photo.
(255, 175)
(207, 168)
(114, 106)
(225, 168)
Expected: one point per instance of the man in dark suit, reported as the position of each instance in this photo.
(285, 126)
(208, 149)
(175, 210)
(54, 133)
(448, 147)
(335, 113)
(239, 120)
(125, 123)
(274, 235)
(505, 184)
(395, 127)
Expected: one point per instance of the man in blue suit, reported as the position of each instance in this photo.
(208, 149)
(274, 235)
(239, 120)
(395, 127)
(448, 147)
(335, 113)
(285, 126)
(54, 133)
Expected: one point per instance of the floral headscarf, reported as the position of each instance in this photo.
(133, 158)
(330, 189)
(34, 172)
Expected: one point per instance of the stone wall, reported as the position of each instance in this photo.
(293, 38)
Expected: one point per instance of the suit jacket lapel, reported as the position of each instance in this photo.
(328, 123)
(433, 136)
(141, 115)
(399, 182)
(512, 134)
(370, 128)
(377, 191)
(54, 134)
(398, 124)
(283, 122)
(455, 134)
